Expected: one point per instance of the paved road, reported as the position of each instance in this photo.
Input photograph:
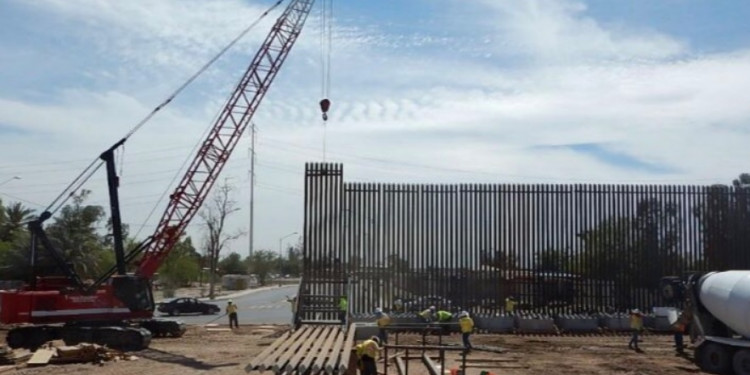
(259, 307)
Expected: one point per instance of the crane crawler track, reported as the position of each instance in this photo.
(133, 337)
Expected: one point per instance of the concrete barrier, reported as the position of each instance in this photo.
(535, 323)
(364, 331)
(658, 323)
(615, 322)
(495, 324)
(577, 323)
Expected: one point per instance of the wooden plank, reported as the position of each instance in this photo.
(41, 357)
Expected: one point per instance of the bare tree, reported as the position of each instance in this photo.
(215, 216)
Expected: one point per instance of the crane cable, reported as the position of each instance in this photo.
(89, 171)
(326, 21)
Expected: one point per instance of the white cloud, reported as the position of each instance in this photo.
(556, 31)
(400, 112)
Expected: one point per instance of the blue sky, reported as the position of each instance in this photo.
(437, 91)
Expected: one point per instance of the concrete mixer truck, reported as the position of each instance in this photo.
(717, 307)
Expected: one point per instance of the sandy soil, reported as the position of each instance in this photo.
(201, 351)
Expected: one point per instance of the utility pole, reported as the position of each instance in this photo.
(252, 187)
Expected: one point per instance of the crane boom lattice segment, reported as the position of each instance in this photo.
(223, 137)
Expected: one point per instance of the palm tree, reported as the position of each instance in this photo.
(15, 216)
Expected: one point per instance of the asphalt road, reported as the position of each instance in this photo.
(257, 307)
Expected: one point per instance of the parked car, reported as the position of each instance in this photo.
(421, 303)
(179, 306)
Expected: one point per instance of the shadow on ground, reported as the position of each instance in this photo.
(166, 357)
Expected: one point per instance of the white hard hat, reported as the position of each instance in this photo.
(378, 310)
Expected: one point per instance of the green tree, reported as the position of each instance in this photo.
(724, 217)
(633, 252)
(262, 263)
(12, 220)
(503, 260)
(75, 233)
(14, 241)
(292, 264)
(232, 265)
(552, 260)
(181, 266)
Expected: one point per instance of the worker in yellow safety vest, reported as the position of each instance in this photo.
(343, 309)
(467, 327)
(428, 315)
(636, 325)
(232, 312)
(367, 355)
(383, 321)
(510, 304)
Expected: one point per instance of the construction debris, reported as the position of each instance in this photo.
(51, 354)
(12, 357)
(41, 357)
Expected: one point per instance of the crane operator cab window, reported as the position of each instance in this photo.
(134, 292)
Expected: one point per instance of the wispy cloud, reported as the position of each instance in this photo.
(486, 93)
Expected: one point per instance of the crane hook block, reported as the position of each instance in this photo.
(325, 104)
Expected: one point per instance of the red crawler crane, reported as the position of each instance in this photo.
(117, 309)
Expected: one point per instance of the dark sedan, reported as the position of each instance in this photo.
(179, 306)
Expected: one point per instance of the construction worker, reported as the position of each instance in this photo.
(428, 315)
(681, 327)
(367, 356)
(444, 317)
(636, 326)
(231, 310)
(293, 306)
(383, 321)
(467, 327)
(293, 302)
(510, 304)
(343, 309)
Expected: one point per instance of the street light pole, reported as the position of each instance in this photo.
(9, 180)
(281, 239)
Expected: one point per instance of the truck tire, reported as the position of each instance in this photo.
(741, 362)
(713, 358)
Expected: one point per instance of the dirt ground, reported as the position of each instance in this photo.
(201, 351)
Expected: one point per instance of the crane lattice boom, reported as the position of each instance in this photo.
(226, 132)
